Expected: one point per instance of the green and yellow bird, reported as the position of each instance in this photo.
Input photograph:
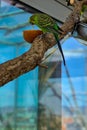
(47, 24)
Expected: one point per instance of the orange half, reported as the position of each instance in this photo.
(30, 35)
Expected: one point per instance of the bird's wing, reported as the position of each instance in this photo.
(53, 30)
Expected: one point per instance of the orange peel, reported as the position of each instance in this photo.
(30, 35)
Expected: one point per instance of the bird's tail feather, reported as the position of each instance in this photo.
(60, 48)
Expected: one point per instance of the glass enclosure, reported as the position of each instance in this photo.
(42, 99)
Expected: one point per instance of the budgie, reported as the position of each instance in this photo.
(47, 24)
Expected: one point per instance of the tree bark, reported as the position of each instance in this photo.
(32, 58)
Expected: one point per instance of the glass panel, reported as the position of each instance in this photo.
(49, 112)
(74, 86)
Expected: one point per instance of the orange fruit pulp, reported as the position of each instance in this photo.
(30, 35)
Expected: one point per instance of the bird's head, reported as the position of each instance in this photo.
(33, 19)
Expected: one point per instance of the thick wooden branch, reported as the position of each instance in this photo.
(29, 60)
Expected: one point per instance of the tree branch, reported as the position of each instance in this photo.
(32, 58)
